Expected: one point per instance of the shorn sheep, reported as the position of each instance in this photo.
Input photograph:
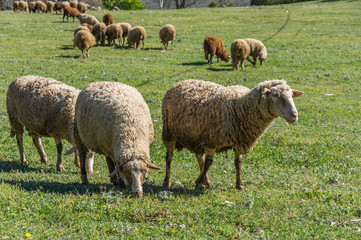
(167, 34)
(99, 30)
(108, 19)
(214, 46)
(113, 119)
(114, 32)
(240, 52)
(82, 7)
(126, 28)
(257, 51)
(70, 12)
(86, 18)
(45, 108)
(84, 40)
(135, 35)
(206, 118)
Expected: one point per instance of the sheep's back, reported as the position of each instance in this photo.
(167, 33)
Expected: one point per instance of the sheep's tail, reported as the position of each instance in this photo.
(71, 150)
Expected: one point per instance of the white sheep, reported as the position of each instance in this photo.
(45, 108)
(257, 50)
(206, 118)
(113, 119)
(240, 52)
(86, 18)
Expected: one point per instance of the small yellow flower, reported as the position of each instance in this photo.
(28, 235)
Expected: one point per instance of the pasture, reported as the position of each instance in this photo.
(302, 180)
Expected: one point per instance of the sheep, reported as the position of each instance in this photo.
(214, 46)
(112, 118)
(240, 52)
(16, 6)
(206, 118)
(114, 32)
(99, 33)
(86, 18)
(84, 40)
(40, 7)
(50, 6)
(82, 7)
(135, 35)
(108, 19)
(70, 12)
(166, 34)
(57, 7)
(23, 6)
(65, 5)
(45, 108)
(125, 27)
(258, 50)
(82, 27)
(74, 4)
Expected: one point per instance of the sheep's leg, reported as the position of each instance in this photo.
(200, 158)
(40, 148)
(19, 140)
(251, 61)
(208, 162)
(238, 164)
(210, 60)
(206, 55)
(89, 162)
(114, 180)
(84, 176)
(76, 159)
(242, 65)
(143, 44)
(172, 45)
(169, 157)
(255, 61)
(59, 149)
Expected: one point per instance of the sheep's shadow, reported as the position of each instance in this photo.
(58, 21)
(68, 56)
(10, 166)
(148, 49)
(194, 63)
(219, 69)
(66, 47)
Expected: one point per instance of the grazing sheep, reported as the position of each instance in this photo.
(82, 27)
(135, 35)
(82, 7)
(65, 5)
(74, 4)
(126, 28)
(50, 6)
(40, 7)
(32, 7)
(99, 30)
(24, 6)
(57, 7)
(214, 46)
(45, 108)
(258, 50)
(84, 40)
(206, 118)
(113, 119)
(166, 34)
(16, 6)
(86, 18)
(240, 52)
(114, 32)
(70, 12)
(108, 19)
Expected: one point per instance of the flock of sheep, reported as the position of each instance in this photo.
(113, 119)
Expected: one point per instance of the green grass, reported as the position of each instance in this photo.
(302, 180)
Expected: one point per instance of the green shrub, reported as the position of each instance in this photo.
(124, 4)
(230, 4)
(274, 2)
(212, 4)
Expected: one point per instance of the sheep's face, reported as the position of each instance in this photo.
(281, 103)
(263, 55)
(225, 56)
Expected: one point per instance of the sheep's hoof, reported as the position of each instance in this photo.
(60, 168)
(241, 188)
(44, 160)
(167, 184)
(208, 184)
(84, 179)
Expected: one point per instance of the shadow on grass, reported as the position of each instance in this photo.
(10, 166)
(220, 69)
(58, 21)
(68, 56)
(194, 63)
(66, 47)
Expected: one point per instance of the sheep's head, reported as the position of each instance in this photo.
(134, 172)
(279, 97)
(224, 56)
(262, 55)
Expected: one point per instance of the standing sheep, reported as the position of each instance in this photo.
(40, 7)
(258, 50)
(57, 7)
(206, 118)
(24, 6)
(50, 6)
(70, 12)
(99, 33)
(16, 6)
(32, 7)
(135, 35)
(113, 119)
(82, 27)
(214, 46)
(86, 18)
(126, 28)
(74, 4)
(82, 7)
(65, 5)
(166, 34)
(114, 32)
(108, 19)
(45, 108)
(84, 40)
(240, 52)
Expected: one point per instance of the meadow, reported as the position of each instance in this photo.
(302, 180)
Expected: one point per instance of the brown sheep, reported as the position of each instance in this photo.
(65, 5)
(99, 31)
(135, 35)
(166, 34)
(114, 32)
(70, 12)
(40, 7)
(16, 6)
(74, 4)
(84, 40)
(108, 19)
(240, 52)
(49, 6)
(24, 6)
(214, 46)
(32, 7)
(82, 7)
(126, 28)
(258, 50)
(85, 27)
(57, 7)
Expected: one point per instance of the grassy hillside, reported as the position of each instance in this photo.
(302, 180)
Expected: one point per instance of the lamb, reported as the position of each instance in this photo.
(16, 6)
(258, 50)
(40, 7)
(82, 7)
(24, 6)
(84, 40)
(86, 18)
(214, 46)
(108, 19)
(49, 6)
(74, 4)
(135, 35)
(126, 28)
(45, 108)
(57, 7)
(86, 27)
(70, 12)
(114, 32)
(240, 52)
(166, 34)
(206, 118)
(99, 33)
(113, 119)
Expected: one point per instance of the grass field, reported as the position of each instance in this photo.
(302, 181)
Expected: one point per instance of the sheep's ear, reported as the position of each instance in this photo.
(152, 166)
(265, 92)
(119, 168)
(296, 93)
